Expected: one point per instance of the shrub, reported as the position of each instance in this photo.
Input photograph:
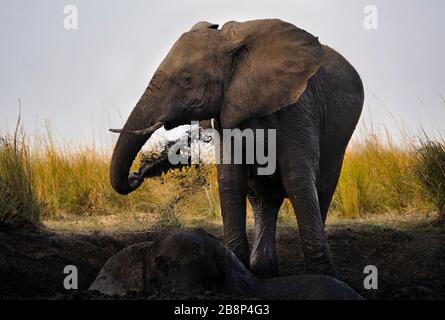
(430, 170)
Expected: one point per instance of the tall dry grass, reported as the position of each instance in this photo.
(18, 194)
(430, 171)
(36, 177)
(378, 177)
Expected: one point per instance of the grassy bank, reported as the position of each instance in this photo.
(18, 189)
(39, 179)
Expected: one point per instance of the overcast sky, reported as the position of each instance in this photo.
(87, 80)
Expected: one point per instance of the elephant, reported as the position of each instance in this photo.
(195, 261)
(260, 74)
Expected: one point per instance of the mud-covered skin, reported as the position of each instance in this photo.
(265, 74)
(195, 260)
(312, 136)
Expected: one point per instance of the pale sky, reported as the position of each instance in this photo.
(87, 80)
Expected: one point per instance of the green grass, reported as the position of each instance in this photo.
(39, 179)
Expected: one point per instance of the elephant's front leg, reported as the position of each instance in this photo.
(232, 183)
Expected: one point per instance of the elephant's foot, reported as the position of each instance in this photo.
(241, 249)
(321, 266)
(264, 266)
(318, 260)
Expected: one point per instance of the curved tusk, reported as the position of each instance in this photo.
(143, 132)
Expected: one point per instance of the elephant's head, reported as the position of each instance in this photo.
(242, 71)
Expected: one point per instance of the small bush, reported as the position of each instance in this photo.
(430, 170)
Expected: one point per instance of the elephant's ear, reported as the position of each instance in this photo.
(202, 25)
(273, 60)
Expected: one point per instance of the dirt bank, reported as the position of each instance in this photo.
(410, 262)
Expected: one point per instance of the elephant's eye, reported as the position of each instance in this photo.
(185, 79)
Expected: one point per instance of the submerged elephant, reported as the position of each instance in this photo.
(261, 74)
(195, 260)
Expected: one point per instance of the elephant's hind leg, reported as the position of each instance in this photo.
(299, 166)
(303, 196)
(263, 257)
(330, 168)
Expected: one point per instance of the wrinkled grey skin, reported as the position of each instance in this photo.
(263, 74)
(195, 260)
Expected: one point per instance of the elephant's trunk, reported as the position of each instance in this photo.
(139, 127)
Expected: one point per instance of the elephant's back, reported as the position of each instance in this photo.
(306, 287)
(336, 91)
(342, 83)
(339, 68)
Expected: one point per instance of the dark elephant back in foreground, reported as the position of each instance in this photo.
(195, 260)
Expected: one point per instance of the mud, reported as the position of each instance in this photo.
(410, 262)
